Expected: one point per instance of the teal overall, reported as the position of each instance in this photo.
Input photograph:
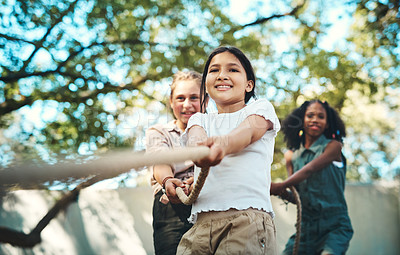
(325, 222)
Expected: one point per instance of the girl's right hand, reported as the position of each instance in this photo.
(277, 188)
(217, 152)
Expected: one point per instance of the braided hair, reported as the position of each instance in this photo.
(292, 125)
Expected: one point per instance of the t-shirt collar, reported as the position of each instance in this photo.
(171, 126)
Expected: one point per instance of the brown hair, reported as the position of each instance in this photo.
(185, 76)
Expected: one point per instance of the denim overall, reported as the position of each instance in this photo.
(325, 222)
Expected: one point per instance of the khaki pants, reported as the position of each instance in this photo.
(231, 232)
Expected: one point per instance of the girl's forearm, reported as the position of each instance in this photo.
(332, 152)
(160, 172)
(249, 131)
(236, 141)
(297, 177)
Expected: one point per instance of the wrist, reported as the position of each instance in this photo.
(165, 180)
(224, 144)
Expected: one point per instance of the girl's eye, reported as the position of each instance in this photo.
(180, 98)
(213, 70)
(194, 98)
(234, 70)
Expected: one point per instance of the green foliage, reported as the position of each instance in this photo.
(360, 80)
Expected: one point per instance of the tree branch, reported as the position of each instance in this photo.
(39, 43)
(11, 105)
(265, 19)
(21, 74)
(15, 76)
(21, 239)
(13, 38)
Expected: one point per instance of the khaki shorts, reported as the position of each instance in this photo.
(231, 232)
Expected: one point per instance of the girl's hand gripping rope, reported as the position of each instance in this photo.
(213, 158)
(170, 189)
(188, 185)
(277, 188)
(217, 151)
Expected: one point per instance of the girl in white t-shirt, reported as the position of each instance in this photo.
(233, 213)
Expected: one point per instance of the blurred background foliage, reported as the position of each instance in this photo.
(81, 77)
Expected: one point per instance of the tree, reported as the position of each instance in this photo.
(82, 56)
(358, 76)
(375, 43)
(103, 66)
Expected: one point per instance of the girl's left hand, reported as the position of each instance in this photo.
(188, 185)
(170, 190)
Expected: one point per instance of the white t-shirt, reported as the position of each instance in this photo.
(241, 180)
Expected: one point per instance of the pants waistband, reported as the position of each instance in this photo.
(215, 215)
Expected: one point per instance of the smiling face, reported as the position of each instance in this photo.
(185, 101)
(315, 121)
(227, 83)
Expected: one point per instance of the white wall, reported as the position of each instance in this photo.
(119, 221)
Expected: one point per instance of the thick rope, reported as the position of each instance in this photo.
(188, 200)
(298, 221)
(110, 165)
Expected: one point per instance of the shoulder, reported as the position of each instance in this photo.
(197, 118)
(157, 128)
(262, 107)
(261, 103)
(333, 149)
(288, 155)
(334, 145)
(199, 115)
(161, 128)
(325, 142)
(295, 155)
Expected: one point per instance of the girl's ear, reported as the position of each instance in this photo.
(249, 86)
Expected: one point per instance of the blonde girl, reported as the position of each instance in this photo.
(169, 215)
